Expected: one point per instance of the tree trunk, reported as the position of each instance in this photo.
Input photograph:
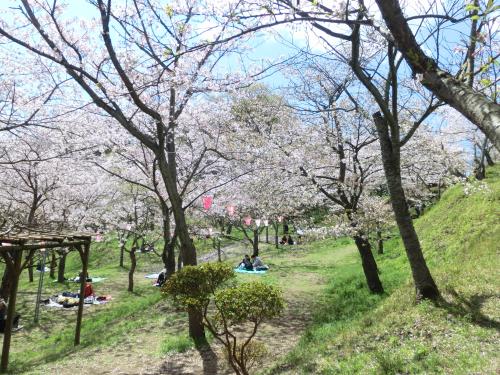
(267, 233)
(475, 106)
(276, 237)
(62, 267)
(168, 169)
(424, 283)
(255, 243)
(369, 265)
(380, 242)
(179, 261)
(229, 228)
(133, 264)
(169, 258)
(53, 266)
(489, 159)
(30, 270)
(122, 251)
(14, 282)
(6, 284)
(196, 327)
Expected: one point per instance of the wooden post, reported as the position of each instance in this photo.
(11, 309)
(84, 255)
(40, 285)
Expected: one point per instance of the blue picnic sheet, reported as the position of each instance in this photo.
(239, 270)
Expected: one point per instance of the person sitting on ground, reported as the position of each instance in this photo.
(283, 240)
(246, 263)
(3, 316)
(78, 278)
(290, 240)
(161, 278)
(88, 290)
(258, 265)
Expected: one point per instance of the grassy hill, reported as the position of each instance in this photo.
(355, 332)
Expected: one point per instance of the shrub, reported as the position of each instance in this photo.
(224, 307)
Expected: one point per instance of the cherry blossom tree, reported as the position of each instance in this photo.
(141, 64)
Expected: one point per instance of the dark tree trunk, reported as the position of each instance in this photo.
(267, 234)
(489, 159)
(424, 283)
(53, 265)
(6, 284)
(166, 155)
(62, 267)
(169, 257)
(380, 242)
(14, 282)
(196, 327)
(229, 228)
(133, 264)
(369, 265)
(122, 251)
(168, 254)
(30, 270)
(276, 237)
(255, 243)
(179, 261)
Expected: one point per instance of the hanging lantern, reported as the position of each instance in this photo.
(257, 222)
(230, 210)
(280, 218)
(210, 231)
(266, 222)
(247, 220)
(207, 202)
(128, 227)
(98, 237)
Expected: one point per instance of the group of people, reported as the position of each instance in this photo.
(253, 263)
(287, 239)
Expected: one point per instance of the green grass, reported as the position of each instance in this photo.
(351, 332)
(176, 344)
(355, 332)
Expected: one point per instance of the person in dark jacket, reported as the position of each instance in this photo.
(246, 263)
(258, 265)
(3, 316)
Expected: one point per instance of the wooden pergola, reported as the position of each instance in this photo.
(12, 247)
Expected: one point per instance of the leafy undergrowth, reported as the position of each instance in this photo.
(358, 333)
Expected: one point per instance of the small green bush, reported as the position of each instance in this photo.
(205, 286)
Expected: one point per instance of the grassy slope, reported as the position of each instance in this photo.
(355, 332)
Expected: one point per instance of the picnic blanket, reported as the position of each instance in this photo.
(58, 301)
(77, 280)
(152, 276)
(239, 270)
(93, 279)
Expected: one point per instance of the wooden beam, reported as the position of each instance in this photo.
(42, 246)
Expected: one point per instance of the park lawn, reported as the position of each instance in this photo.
(144, 327)
(331, 324)
(358, 333)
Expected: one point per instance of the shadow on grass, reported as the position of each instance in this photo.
(177, 367)
(469, 307)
